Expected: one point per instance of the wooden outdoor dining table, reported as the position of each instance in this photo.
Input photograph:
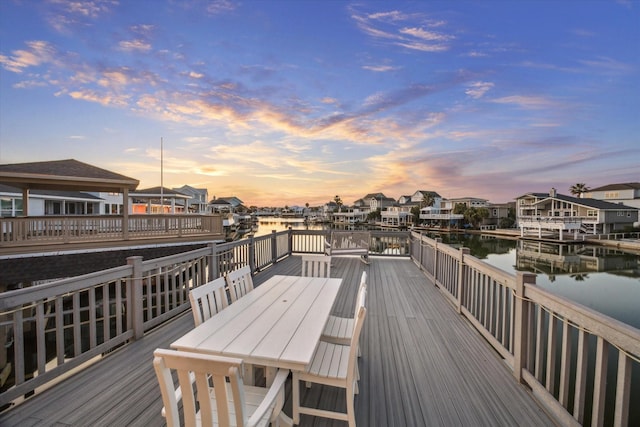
(277, 325)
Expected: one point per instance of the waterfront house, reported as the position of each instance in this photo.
(397, 216)
(626, 193)
(233, 202)
(158, 200)
(49, 202)
(198, 201)
(552, 214)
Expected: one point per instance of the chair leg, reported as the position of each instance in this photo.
(295, 398)
(351, 415)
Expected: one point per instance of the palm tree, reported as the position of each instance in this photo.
(427, 200)
(338, 201)
(578, 189)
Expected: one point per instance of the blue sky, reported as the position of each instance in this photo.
(294, 102)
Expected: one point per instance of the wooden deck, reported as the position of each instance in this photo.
(422, 365)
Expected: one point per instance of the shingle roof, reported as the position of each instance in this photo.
(591, 203)
(622, 186)
(67, 174)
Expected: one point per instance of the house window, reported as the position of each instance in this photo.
(592, 213)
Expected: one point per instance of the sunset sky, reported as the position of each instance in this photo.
(293, 102)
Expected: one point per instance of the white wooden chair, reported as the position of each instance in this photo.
(208, 299)
(228, 403)
(349, 243)
(338, 330)
(239, 282)
(316, 266)
(333, 365)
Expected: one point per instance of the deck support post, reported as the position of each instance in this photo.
(274, 247)
(435, 260)
(214, 263)
(135, 293)
(461, 281)
(521, 323)
(252, 254)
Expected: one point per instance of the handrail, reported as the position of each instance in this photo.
(56, 229)
(538, 333)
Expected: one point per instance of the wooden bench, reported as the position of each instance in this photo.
(349, 243)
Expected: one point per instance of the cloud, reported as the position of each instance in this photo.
(38, 52)
(526, 102)
(68, 14)
(391, 27)
(134, 45)
(477, 90)
(380, 68)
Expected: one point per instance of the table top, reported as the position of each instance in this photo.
(278, 324)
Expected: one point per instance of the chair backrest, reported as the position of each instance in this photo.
(362, 288)
(361, 312)
(316, 265)
(240, 282)
(208, 299)
(203, 367)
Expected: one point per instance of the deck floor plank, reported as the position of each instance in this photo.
(422, 364)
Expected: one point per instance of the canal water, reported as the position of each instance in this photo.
(603, 279)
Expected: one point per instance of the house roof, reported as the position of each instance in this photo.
(590, 203)
(155, 192)
(622, 186)
(432, 193)
(66, 175)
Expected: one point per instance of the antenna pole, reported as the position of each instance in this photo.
(161, 176)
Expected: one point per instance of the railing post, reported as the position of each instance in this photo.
(521, 323)
(135, 293)
(274, 247)
(214, 267)
(435, 260)
(421, 252)
(461, 281)
(290, 241)
(252, 254)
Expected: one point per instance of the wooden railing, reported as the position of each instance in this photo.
(559, 348)
(83, 228)
(49, 329)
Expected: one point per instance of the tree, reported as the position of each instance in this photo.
(578, 189)
(474, 216)
(415, 211)
(338, 202)
(427, 200)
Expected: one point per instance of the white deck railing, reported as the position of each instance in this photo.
(559, 348)
(84, 228)
(49, 329)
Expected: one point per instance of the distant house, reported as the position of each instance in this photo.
(233, 202)
(627, 193)
(374, 201)
(555, 214)
(220, 206)
(157, 200)
(198, 203)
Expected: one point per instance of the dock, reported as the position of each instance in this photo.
(422, 364)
